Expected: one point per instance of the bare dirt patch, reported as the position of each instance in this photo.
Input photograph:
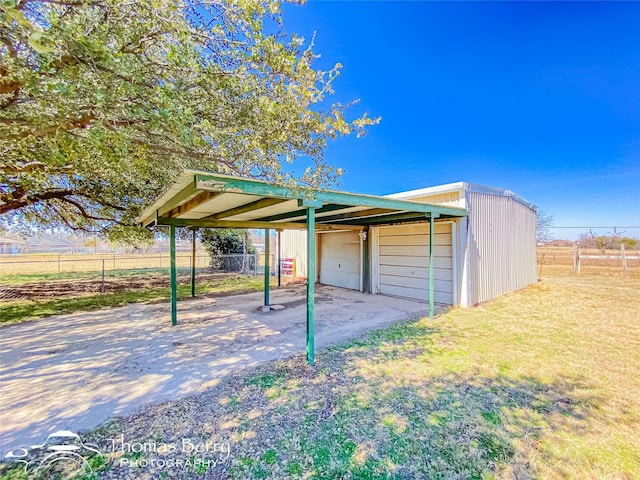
(79, 287)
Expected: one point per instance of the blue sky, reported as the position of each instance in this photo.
(540, 98)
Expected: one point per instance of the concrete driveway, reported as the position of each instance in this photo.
(75, 371)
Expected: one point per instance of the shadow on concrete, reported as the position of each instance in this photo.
(75, 371)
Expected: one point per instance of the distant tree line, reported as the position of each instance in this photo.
(612, 241)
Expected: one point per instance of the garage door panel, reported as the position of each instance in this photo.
(403, 261)
(438, 262)
(438, 239)
(340, 238)
(442, 272)
(422, 228)
(416, 293)
(414, 250)
(413, 282)
(340, 259)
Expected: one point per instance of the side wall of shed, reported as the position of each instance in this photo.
(501, 246)
(294, 245)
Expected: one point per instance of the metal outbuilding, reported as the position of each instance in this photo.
(493, 248)
(478, 257)
(203, 199)
(455, 244)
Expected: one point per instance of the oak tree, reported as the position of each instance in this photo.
(104, 102)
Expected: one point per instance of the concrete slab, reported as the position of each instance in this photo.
(75, 371)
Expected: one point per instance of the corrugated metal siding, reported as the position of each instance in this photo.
(449, 199)
(502, 246)
(294, 245)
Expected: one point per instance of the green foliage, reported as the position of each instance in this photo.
(629, 242)
(104, 102)
(227, 241)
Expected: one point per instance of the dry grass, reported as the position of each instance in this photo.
(580, 334)
(542, 383)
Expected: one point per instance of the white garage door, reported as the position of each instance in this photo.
(340, 259)
(403, 262)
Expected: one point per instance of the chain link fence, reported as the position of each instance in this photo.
(42, 265)
(38, 276)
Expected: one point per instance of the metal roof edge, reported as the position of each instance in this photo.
(190, 182)
(435, 190)
(501, 192)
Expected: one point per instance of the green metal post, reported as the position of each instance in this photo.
(279, 259)
(311, 279)
(431, 257)
(266, 267)
(193, 263)
(366, 268)
(174, 292)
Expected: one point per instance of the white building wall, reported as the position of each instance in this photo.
(502, 245)
(294, 245)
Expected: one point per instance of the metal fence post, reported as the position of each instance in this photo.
(102, 276)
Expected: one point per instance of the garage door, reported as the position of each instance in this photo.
(340, 259)
(403, 262)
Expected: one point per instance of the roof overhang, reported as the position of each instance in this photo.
(204, 199)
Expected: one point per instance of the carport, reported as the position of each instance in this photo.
(199, 199)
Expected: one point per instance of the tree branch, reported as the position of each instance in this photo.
(82, 122)
(19, 198)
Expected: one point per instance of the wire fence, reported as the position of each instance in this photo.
(39, 276)
(578, 259)
(108, 264)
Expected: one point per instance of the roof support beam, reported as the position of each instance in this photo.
(302, 213)
(256, 187)
(382, 219)
(249, 207)
(355, 200)
(208, 223)
(187, 193)
(362, 213)
(245, 185)
(196, 201)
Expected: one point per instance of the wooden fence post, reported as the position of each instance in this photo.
(624, 259)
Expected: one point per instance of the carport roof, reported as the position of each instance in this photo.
(204, 199)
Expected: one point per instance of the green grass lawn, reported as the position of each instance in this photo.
(21, 310)
(542, 383)
(19, 279)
